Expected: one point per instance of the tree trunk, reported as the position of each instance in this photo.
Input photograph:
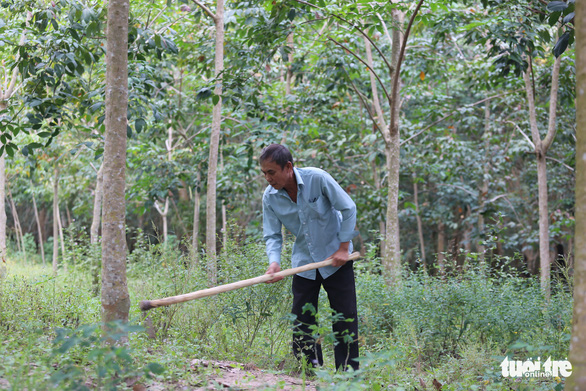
(17, 225)
(577, 356)
(61, 239)
(224, 229)
(40, 230)
(441, 243)
(419, 223)
(164, 213)
(544, 259)
(484, 186)
(541, 147)
(6, 91)
(214, 146)
(55, 220)
(95, 228)
(114, 293)
(392, 258)
(196, 203)
(3, 267)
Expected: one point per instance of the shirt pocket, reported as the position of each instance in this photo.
(319, 206)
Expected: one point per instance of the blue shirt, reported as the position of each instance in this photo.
(323, 217)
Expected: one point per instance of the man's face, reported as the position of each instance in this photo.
(276, 176)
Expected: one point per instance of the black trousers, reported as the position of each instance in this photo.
(341, 291)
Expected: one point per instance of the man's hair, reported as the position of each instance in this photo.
(276, 153)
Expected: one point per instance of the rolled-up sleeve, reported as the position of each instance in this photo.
(271, 233)
(342, 202)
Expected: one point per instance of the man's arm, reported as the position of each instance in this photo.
(273, 238)
(342, 202)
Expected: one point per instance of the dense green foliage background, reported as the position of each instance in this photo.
(464, 124)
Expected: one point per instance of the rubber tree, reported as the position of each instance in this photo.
(114, 293)
(577, 356)
(211, 208)
(388, 125)
(6, 92)
(541, 147)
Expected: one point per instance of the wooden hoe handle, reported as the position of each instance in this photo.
(146, 305)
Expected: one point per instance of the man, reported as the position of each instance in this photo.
(322, 216)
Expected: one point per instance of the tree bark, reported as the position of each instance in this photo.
(419, 223)
(195, 234)
(55, 220)
(484, 186)
(381, 224)
(98, 194)
(40, 230)
(17, 225)
(392, 258)
(3, 267)
(441, 247)
(541, 147)
(114, 293)
(214, 146)
(577, 356)
(6, 91)
(163, 213)
(61, 239)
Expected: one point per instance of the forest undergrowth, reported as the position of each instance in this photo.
(452, 330)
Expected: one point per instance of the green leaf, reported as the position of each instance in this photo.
(95, 107)
(139, 124)
(554, 6)
(562, 44)
(215, 99)
(10, 149)
(204, 93)
(553, 18)
(569, 17)
(87, 15)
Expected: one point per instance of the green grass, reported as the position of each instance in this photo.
(455, 330)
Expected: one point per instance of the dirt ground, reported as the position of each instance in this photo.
(226, 375)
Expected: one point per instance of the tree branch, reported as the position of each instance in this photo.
(389, 66)
(205, 9)
(455, 111)
(560, 162)
(353, 25)
(553, 102)
(385, 28)
(361, 99)
(394, 90)
(523, 133)
(365, 64)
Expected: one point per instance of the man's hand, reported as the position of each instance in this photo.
(340, 257)
(274, 268)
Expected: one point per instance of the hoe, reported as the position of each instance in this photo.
(146, 305)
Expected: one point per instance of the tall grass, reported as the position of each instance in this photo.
(454, 329)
